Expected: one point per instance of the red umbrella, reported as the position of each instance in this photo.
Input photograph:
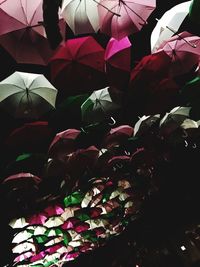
(78, 66)
(184, 52)
(121, 18)
(117, 135)
(22, 33)
(31, 137)
(63, 143)
(118, 61)
(144, 82)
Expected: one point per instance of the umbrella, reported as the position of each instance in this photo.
(27, 95)
(184, 52)
(121, 18)
(144, 83)
(31, 137)
(118, 61)
(63, 143)
(22, 33)
(194, 11)
(169, 24)
(78, 67)
(81, 15)
(100, 105)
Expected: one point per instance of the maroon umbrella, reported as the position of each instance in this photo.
(78, 66)
(31, 137)
(63, 143)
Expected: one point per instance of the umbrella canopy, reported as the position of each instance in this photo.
(99, 105)
(169, 24)
(121, 18)
(118, 61)
(27, 95)
(22, 33)
(31, 137)
(194, 11)
(63, 143)
(78, 67)
(184, 52)
(81, 15)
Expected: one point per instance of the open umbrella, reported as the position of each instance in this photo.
(118, 61)
(184, 53)
(169, 24)
(22, 33)
(31, 137)
(121, 18)
(78, 67)
(27, 95)
(81, 15)
(100, 105)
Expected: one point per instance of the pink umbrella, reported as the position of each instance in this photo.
(184, 52)
(119, 18)
(22, 33)
(118, 61)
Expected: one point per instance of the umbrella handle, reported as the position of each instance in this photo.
(112, 121)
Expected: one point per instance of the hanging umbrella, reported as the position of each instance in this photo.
(27, 95)
(118, 61)
(78, 67)
(194, 11)
(184, 53)
(30, 138)
(121, 18)
(145, 83)
(169, 24)
(81, 15)
(100, 105)
(22, 33)
(63, 143)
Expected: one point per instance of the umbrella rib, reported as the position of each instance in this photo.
(109, 10)
(25, 15)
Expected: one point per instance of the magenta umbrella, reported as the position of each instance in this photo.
(118, 61)
(184, 52)
(120, 18)
(22, 33)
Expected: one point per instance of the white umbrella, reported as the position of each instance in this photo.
(81, 15)
(27, 95)
(99, 106)
(169, 24)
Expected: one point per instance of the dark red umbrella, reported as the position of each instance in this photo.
(63, 143)
(78, 66)
(31, 137)
(150, 90)
(117, 136)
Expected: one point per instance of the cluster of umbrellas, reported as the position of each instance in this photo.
(70, 190)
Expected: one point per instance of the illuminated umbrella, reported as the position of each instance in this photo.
(99, 106)
(22, 33)
(121, 18)
(78, 67)
(118, 61)
(169, 24)
(184, 52)
(27, 95)
(81, 15)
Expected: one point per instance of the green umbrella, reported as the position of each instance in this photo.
(190, 93)
(101, 104)
(194, 12)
